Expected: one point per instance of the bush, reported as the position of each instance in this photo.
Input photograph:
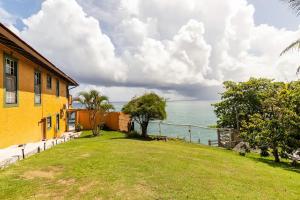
(106, 128)
(264, 151)
(242, 152)
(78, 127)
(133, 134)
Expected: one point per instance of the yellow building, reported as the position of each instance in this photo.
(34, 94)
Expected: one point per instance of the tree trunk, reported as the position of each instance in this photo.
(144, 130)
(93, 122)
(95, 131)
(276, 154)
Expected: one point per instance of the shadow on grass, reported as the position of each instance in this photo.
(130, 137)
(127, 137)
(283, 165)
(87, 136)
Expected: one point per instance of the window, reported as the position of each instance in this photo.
(37, 87)
(11, 80)
(57, 88)
(49, 82)
(49, 122)
(57, 123)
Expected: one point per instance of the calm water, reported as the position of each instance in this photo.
(198, 113)
(185, 112)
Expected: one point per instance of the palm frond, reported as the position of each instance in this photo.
(294, 4)
(294, 45)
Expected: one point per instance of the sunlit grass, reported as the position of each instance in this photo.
(114, 167)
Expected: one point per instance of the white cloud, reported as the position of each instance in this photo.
(6, 17)
(63, 32)
(182, 60)
(233, 47)
(123, 94)
(186, 46)
(8, 20)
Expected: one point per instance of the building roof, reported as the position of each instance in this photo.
(11, 40)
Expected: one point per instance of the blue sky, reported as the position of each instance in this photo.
(127, 47)
(23, 8)
(275, 12)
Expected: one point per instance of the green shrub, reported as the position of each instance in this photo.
(78, 127)
(133, 134)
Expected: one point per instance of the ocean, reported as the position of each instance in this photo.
(182, 113)
(198, 113)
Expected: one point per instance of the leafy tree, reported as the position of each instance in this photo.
(292, 116)
(240, 101)
(96, 104)
(266, 113)
(145, 108)
(267, 129)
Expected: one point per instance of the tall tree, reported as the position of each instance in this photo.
(266, 113)
(145, 108)
(267, 128)
(96, 104)
(240, 101)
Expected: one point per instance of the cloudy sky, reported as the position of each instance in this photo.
(182, 49)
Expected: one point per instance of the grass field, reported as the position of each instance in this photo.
(114, 167)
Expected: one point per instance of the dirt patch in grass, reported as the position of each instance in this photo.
(85, 188)
(66, 182)
(48, 173)
(48, 196)
(140, 189)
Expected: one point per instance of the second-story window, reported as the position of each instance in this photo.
(11, 79)
(37, 87)
(57, 88)
(49, 82)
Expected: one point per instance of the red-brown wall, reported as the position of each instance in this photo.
(116, 121)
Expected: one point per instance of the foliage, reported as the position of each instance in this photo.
(133, 134)
(145, 108)
(294, 4)
(265, 112)
(78, 127)
(240, 101)
(96, 104)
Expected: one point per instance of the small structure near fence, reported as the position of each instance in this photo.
(228, 138)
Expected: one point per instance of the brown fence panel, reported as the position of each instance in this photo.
(116, 121)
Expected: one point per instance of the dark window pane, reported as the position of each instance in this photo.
(10, 81)
(57, 88)
(49, 82)
(37, 88)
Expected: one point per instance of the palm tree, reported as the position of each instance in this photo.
(96, 104)
(295, 5)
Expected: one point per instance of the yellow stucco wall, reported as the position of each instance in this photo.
(20, 124)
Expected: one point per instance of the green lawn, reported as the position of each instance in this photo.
(114, 167)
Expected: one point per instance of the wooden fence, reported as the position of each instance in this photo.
(116, 121)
